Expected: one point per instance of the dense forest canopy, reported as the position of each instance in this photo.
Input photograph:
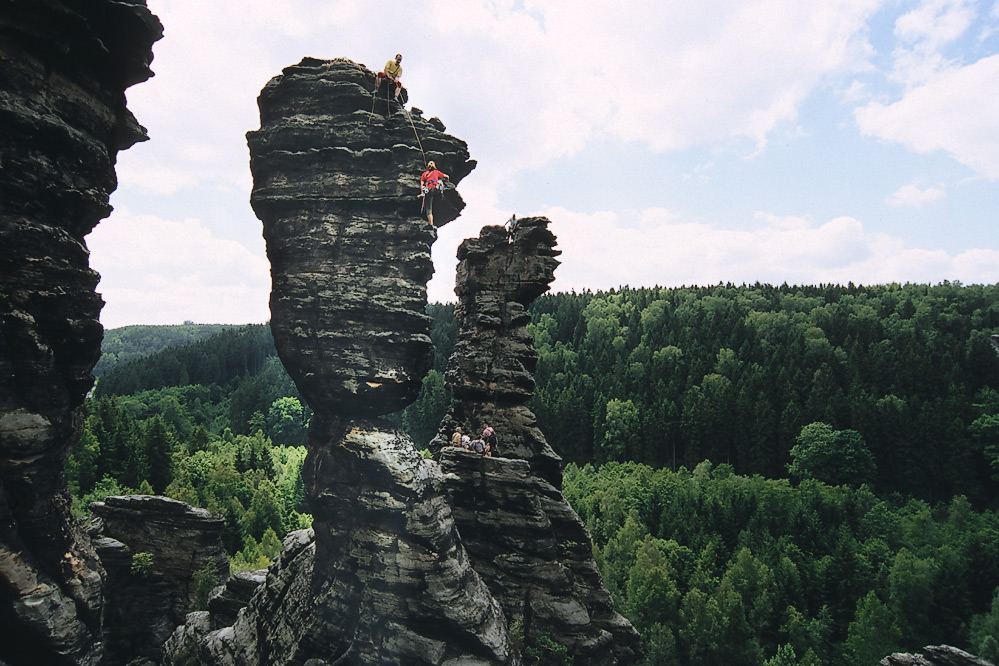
(671, 377)
(771, 475)
(129, 343)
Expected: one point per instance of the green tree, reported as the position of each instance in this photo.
(873, 633)
(264, 512)
(702, 627)
(911, 595)
(286, 422)
(424, 415)
(622, 430)
(158, 446)
(83, 466)
(652, 593)
(984, 634)
(837, 457)
(659, 647)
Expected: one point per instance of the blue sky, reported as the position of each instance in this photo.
(726, 141)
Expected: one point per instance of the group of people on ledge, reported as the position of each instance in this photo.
(486, 444)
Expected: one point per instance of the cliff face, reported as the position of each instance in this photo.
(384, 578)
(64, 67)
(144, 606)
(524, 539)
(335, 187)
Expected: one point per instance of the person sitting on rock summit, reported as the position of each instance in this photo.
(490, 438)
(456, 437)
(431, 189)
(392, 72)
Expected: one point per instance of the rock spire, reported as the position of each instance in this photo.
(382, 577)
(524, 539)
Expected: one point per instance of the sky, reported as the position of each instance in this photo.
(669, 143)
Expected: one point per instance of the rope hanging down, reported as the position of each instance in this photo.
(417, 134)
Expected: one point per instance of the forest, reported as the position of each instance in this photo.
(771, 475)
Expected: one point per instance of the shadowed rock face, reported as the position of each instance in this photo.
(64, 67)
(524, 539)
(336, 187)
(384, 578)
(144, 608)
(491, 371)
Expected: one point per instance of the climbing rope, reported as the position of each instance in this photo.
(417, 134)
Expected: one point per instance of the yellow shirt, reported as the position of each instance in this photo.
(393, 69)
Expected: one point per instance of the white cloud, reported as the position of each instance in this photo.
(527, 83)
(601, 252)
(957, 111)
(935, 23)
(156, 271)
(924, 33)
(913, 195)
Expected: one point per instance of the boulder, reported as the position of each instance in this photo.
(383, 577)
(935, 655)
(336, 189)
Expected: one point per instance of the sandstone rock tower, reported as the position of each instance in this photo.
(524, 539)
(386, 579)
(64, 67)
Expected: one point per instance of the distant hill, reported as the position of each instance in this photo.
(129, 343)
(231, 352)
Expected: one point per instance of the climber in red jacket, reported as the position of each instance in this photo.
(431, 189)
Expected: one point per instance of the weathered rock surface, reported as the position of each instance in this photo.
(64, 67)
(491, 371)
(524, 539)
(387, 582)
(144, 609)
(227, 600)
(935, 655)
(386, 579)
(335, 187)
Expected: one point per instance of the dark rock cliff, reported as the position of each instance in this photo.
(335, 187)
(143, 607)
(524, 539)
(64, 67)
(382, 577)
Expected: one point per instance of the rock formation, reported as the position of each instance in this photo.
(336, 186)
(64, 67)
(144, 607)
(384, 579)
(524, 539)
(935, 655)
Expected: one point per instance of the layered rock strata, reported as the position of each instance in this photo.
(523, 537)
(385, 578)
(335, 186)
(64, 67)
(145, 605)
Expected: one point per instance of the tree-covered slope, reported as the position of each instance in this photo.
(129, 343)
(672, 377)
(718, 568)
(232, 353)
